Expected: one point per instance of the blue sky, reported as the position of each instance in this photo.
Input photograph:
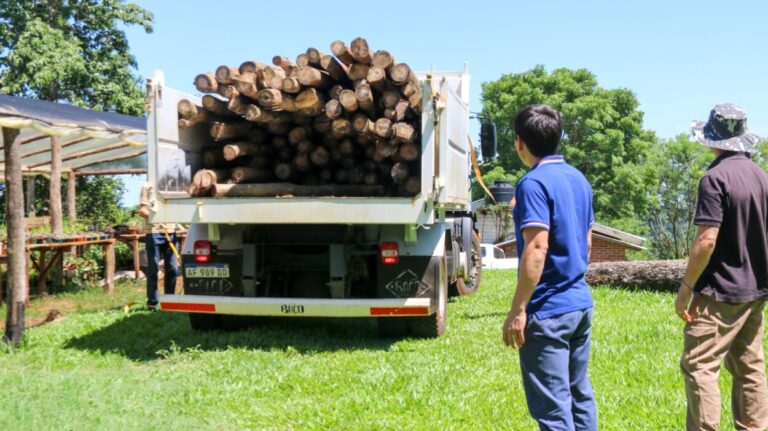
(680, 58)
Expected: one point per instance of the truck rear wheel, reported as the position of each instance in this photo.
(464, 287)
(204, 322)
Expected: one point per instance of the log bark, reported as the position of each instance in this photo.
(241, 149)
(226, 74)
(251, 66)
(360, 50)
(221, 131)
(72, 197)
(358, 71)
(216, 106)
(377, 78)
(256, 114)
(247, 85)
(401, 74)
(348, 100)
(314, 56)
(283, 189)
(383, 59)
(311, 77)
(364, 96)
(17, 280)
(336, 70)
(57, 214)
(310, 102)
(206, 83)
(340, 50)
(341, 127)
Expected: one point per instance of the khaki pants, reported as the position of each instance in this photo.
(733, 332)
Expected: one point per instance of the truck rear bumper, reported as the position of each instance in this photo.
(298, 307)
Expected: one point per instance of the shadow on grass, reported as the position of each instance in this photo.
(144, 336)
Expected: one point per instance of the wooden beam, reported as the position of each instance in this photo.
(63, 145)
(17, 281)
(57, 215)
(29, 198)
(128, 171)
(71, 196)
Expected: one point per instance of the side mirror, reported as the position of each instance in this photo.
(488, 140)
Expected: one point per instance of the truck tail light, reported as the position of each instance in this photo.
(390, 254)
(202, 251)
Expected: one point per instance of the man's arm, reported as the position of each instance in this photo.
(589, 244)
(531, 266)
(703, 247)
(144, 202)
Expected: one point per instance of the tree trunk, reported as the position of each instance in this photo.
(57, 214)
(401, 74)
(271, 98)
(258, 115)
(71, 197)
(377, 78)
(29, 198)
(362, 124)
(17, 281)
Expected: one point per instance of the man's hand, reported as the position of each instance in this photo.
(513, 330)
(144, 211)
(685, 308)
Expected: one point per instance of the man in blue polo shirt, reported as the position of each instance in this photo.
(551, 315)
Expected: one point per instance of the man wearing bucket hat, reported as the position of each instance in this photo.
(722, 294)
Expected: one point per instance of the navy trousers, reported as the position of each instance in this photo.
(157, 248)
(554, 361)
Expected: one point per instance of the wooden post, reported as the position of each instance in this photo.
(71, 194)
(29, 198)
(109, 267)
(57, 217)
(17, 283)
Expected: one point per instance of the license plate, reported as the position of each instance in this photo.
(216, 270)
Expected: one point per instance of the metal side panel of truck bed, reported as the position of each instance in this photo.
(174, 155)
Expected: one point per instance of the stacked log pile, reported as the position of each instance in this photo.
(342, 124)
(658, 275)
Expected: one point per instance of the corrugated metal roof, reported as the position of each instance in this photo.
(93, 139)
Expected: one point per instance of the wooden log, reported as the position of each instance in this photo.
(362, 124)
(246, 84)
(243, 174)
(399, 112)
(403, 132)
(302, 60)
(366, 137)
(358, 71)
(221, 130)
(335, 91)
(264, 161)
(191, 114)
(364, 96)
(251, 66)
(356, 175)
(321, 123)
(399, 172)
(270, 75)
(297, 134)
(306, 146)
(310, 102)
(348, 100)
(336, 70)
(284, 171)
(340, 50)
(346, 147)
(411, 186)
(186, 124)
(205, 179)
(291, 85)
(226, 74)
(333, 109)
(383, 59)
(409, 152)
(311, 77)
(383, 128)
(415, 101)
(310, 179)
(280, 128)
(371, 179)
(285, 153)
(239, 105)
(279, 142)
(258, 115)
(216, 106)
(410, 88)
(289, 104)
(286, 64)
(401, 74)
(326, 176)
(377, 78)
(227, 91)
(206, 82)
(314, 56)
(285, 189)
(257, 136)
(341, 127)
(213, 158)
(271, 99)
(390, 99)
(320, 156)
(384, 149)
(360, 50)
(241, 149)
(341, 176)
(302, 163)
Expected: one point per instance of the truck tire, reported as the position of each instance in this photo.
(433, 326)
(463, 287)
(204, 322)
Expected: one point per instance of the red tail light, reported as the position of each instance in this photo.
(202, 251)
(390, 253)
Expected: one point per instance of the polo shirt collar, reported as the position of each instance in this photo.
(730, 155)
(547, 160)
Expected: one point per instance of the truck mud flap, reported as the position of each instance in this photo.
(411, 277)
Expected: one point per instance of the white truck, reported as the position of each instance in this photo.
(393, 258)
(493, 257)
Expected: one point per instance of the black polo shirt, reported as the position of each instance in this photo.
(733, 195)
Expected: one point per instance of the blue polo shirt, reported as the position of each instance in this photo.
(555, 196)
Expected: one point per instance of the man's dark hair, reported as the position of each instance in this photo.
(540, 127)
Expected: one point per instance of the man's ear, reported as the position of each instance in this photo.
(519, 143)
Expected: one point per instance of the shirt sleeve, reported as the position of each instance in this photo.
(532, 204)
(709, 204)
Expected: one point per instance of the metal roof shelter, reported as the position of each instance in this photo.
(89, 139)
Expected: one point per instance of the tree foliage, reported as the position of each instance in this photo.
(679, 164)
(603, 133)
(98, 199)
(73, 51)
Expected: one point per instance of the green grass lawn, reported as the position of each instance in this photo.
(102, 368)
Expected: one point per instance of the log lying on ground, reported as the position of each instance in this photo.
(660, 275)
(286, 189)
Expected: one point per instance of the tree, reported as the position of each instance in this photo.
(98, 199)
(72, 51)
(679, 164)
(760, 154)
(603, 134)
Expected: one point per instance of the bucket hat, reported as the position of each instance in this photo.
(726, 129)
